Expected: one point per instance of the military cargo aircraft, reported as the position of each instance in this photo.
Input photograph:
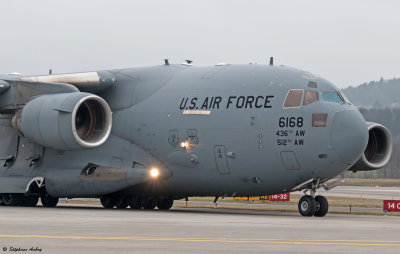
(144, 137)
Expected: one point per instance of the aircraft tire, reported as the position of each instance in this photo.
(165, 203)
(30, 201)
(307, 206)
(48, 201)
(135, 202)
(149, 203)
(1, 200)
(122, 203)
(14, 199)
(322, 206)
(108, 201)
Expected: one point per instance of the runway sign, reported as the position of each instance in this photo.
(241, 198)
(247, 198)
(253, 198)
(391, 205)
(278, 197)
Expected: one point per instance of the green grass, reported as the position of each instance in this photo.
(372, 182)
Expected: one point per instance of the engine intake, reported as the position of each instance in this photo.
(378, 151)
(68, 121)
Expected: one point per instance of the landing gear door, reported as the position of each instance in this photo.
(29, 155)
(220, 159)
(9, 143)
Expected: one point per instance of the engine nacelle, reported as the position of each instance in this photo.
(66, 121)
(378, 151)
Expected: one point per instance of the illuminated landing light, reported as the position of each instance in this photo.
(183, 145)
(154, 172)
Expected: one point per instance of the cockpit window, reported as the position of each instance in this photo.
(310, 97)
(293, 98)
(331, 97)
(343, 97)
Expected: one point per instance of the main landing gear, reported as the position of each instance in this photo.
(48, 201)
(147, 203)
(18, 199)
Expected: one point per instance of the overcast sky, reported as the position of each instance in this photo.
(348, 42)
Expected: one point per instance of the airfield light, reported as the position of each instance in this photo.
(154, 172)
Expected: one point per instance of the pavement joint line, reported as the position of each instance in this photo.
(222, 240)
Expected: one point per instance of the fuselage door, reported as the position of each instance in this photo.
(220, 159)
(289, 160)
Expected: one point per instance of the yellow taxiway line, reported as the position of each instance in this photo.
(218, 240)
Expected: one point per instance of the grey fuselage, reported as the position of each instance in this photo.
(212, 131)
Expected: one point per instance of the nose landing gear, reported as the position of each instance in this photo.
(322, 206)
(307, 206)
(310, 205)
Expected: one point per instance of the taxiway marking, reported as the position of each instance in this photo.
(219, 240)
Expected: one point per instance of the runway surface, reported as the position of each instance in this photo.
(92, 229)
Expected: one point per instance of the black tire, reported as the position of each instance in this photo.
(30, 201)
(108, 201)
(165, 203)
(135, 202)
(48, 201)
(1, 200)
(307, 206)
(322, 206)
(122, 203)
(149, 203)
(7, 199)
(15, 199)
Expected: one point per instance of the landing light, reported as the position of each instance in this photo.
(183, 144)
(154, 172)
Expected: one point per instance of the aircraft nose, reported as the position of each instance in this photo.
(349, 135)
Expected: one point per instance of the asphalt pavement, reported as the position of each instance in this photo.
(92, 229)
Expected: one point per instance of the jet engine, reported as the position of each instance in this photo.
(65, 121)
(378, 151)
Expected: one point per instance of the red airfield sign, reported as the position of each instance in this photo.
(391, 205)
(280, 197)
